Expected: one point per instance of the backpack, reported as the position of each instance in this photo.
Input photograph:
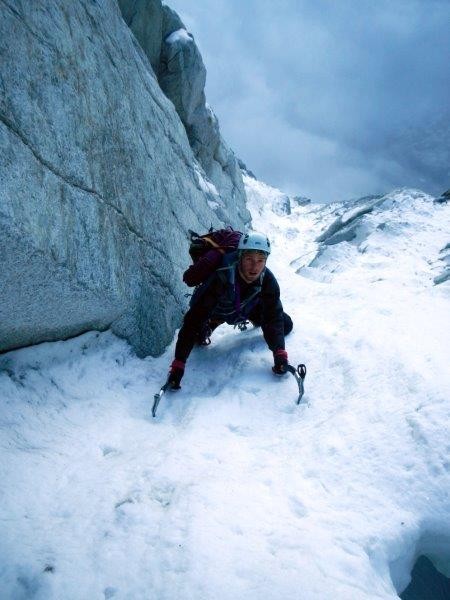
(207, 251)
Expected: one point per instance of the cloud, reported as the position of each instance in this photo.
(330, 99)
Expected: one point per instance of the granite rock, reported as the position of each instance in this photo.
(98, 182)
(182, 75)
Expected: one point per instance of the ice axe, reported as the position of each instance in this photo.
(169, 385)
(299, 373)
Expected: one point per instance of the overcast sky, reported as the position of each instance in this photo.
(330, 99)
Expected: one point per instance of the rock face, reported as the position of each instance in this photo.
(445, 197)
(426, 582)
(182, 75)
(145, 19)
(98, 182)
(245, 170)
(444, 260)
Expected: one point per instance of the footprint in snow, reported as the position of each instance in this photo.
(108, 450)
(297, 507)
(253, 390)
(163, 493)
(238, 430)
(289, 409)
(125, 501)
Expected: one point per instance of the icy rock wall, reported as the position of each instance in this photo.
(178, 65)
(98, 182)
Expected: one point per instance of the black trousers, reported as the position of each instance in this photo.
(255, 317)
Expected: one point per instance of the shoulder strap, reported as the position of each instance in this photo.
(227, 269)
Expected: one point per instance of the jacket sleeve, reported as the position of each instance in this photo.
(196, 316)
(272, 312)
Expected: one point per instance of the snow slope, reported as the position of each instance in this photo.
(234, 491)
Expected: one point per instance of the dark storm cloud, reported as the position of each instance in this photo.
(330, 99)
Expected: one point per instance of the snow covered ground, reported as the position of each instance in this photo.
(234, 492)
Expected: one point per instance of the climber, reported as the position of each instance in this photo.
(241, 290)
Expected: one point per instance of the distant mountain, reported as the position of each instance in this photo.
(381, 227)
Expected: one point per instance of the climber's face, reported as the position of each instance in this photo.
(252, 264)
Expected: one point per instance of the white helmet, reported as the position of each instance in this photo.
(254, 241)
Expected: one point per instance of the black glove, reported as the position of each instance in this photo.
(176, 373)
(280, 358)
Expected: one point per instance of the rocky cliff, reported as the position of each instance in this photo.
(178, 65)
(98, 179)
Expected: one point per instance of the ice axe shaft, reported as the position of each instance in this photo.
(157, 397)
